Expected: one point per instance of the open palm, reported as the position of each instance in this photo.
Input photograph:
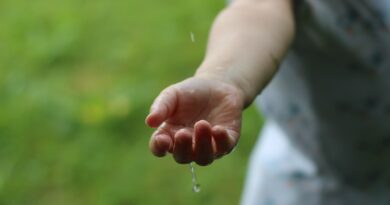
(197, 120)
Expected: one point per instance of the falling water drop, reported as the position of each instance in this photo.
(195, 184)
(196, 188)
(192, 37)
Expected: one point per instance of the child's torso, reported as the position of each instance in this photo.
(332, 94)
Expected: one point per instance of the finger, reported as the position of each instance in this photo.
(160, 143)
(223, 142)
(162, 107)
(182, 149)
(203, 148)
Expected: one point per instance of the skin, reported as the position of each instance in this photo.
(199, 119)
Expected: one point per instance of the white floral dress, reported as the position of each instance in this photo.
(327, 135)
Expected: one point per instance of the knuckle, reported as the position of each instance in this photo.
(204, 162)
(181, 160)
(158, 153)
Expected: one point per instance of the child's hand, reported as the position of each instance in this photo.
(198, 120)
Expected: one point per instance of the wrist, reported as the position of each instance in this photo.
(221, 75)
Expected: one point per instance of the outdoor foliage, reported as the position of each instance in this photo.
(77, 78)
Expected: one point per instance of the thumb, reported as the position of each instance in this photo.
(162, 107)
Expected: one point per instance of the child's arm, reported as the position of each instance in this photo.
(247, 42)
(199, 119)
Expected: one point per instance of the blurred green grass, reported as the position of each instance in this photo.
(76, 81)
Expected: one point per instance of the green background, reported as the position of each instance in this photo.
(77, 78)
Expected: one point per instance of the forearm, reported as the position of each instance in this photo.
(247, 42)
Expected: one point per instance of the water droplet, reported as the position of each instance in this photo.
(192, 37)
(195, 184)
(196, 188)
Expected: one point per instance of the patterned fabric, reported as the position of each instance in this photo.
(329, 111)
